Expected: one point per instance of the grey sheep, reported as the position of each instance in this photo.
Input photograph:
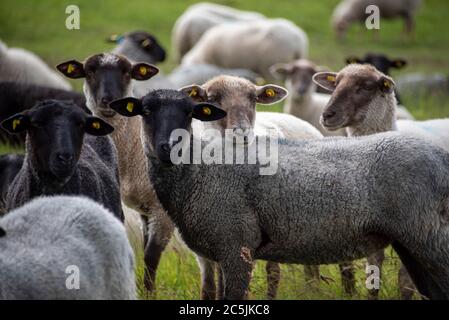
(331, 200)
(66, 154)
(45, 243)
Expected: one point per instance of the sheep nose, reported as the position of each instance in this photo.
(105, 100)
(64, 158)
(328, 114)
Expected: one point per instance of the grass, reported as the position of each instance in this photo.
(40, 27)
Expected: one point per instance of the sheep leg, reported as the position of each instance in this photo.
(376, 259)
(273, 270)
(208, 288)
(420, 276)
(312, 276)
(237, 272)
(347, 277)
(406, 286)
(159, 231)
(409, 23)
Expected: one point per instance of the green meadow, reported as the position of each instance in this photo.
(39, 26)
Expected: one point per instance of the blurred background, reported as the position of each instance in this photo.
(39, 26)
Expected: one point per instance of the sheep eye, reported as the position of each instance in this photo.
(146, 112)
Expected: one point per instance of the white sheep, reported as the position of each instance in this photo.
(254, 45)
(20, 65)
(199, 18)
(350, 11)
(303, 100)
(64, 248)
(375, 111)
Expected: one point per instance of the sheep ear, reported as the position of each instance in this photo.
(207, 112)
(2, 232)
(398, 63)
(143, 71)
(270, 94)
(195, 92)
(386, 84)
(350, 60)
(281, 70)
(97, 127)
(16, 124)
(72, 69)
(128, 107)
(115, 38)
(326, 80)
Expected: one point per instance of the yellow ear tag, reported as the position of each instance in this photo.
(96, 125)
(15, 123)
(143, 70)
(193, 93)
(330, 78)
(386, 84)
(70, 68)
(270, 93)
(130, 107)
(145, 43)
(207, 111)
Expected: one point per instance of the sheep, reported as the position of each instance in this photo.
(238, 98)
(199, 18)
(350, 11)
(17, 97)
(376, 107)
(371, 112)
(267, 42)
(140, 46)
(66, 153)
(48, 242)
(303, 101)
(330, 200)
(384, 64)
(10, 165)
(108, 77)
(23, 66)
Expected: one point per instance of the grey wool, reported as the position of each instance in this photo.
(47, 241)
(331, 200)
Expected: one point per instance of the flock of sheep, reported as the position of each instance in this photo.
(96, 160)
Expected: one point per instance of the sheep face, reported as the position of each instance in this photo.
(380, 61)
(107, 78)
(163, 112)
(355, 88)
(238, 97)
(139, 46)
(55, 131)
(297, 76)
